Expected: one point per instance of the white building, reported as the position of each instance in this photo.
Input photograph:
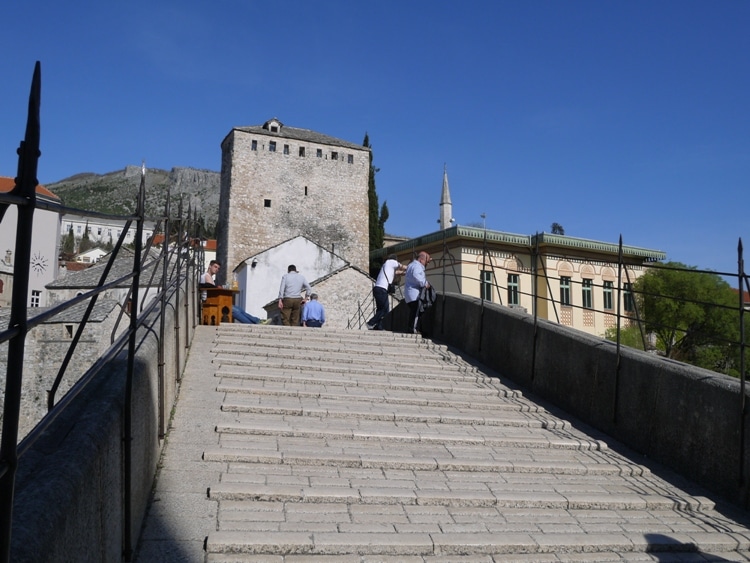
(45, 240)
(259, 276)
(102, 231)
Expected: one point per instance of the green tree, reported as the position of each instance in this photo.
(692, 314)
(86, 243)
(377, 215)
(69, 243)
(629, 336)
(557, 229)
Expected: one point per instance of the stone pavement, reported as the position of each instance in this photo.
(315, 445)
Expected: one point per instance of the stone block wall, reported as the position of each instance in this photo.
(269, 197)
(686, 418)
(68, 502)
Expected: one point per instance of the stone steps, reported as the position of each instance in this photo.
(357, 447)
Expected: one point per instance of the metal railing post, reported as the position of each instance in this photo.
(26, 182)
(128, 406)
(743, 402)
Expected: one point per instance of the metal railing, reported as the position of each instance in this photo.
(169, 270)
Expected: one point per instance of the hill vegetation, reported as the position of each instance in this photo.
(115, 192)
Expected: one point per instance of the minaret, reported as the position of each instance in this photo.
(446, 208)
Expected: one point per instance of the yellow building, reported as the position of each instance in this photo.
(572, 281)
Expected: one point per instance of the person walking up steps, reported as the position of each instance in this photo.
(290, 296)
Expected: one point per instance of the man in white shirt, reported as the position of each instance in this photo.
(388, 272)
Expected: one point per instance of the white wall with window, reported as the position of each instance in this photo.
(102, 231)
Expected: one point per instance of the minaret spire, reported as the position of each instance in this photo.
(446, 207)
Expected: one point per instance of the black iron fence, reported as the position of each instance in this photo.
(164, 270)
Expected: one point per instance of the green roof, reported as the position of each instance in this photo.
(526, 241)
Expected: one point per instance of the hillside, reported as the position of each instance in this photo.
(115, 192)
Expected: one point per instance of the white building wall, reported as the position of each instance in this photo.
(102, 231)
(260, 284)
(45, 241)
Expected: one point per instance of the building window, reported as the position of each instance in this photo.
(274, 128)
(564, 290)
(254, 145)
(305, 190)
(486, 285)
(36, 297)
(286, 149)
(586, 297)
(266, 203)
(627, 297)
(68, 331)
(607, 295)
(99, 231)
(78, 229)
(302, 151)
(319, 153)
(350, 158)
(272, 146)
(513, 289)
(334, 155)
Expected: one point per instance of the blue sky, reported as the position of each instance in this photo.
(611, 118)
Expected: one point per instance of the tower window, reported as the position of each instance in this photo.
(302, 151)
(266, 203)
(350, 158)
(319, 153)
(272, 146)
(254, 145)
(305, 190)
(286, 149)
(334, 155)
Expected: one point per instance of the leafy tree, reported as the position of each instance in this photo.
(557, 229)
(69, 243)
(86, 243)
(693, 315)
(629, 336)
(377, 216)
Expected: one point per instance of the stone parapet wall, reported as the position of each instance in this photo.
(684, 417)
(68, 502)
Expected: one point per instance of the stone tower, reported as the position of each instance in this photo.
(279, 182)
(446, 207)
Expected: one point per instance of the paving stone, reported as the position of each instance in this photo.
(283, 451)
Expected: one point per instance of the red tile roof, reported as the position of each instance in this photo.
(7, 184)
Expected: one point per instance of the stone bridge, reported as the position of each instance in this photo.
(496, 439)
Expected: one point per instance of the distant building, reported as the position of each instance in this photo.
(279, 182)
(573, 281)
(75, 283)
(90, 256)
(46, 347)
(45, 239)
(102, 231)
(259, 276)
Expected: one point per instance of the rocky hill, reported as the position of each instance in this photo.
(115, 192)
